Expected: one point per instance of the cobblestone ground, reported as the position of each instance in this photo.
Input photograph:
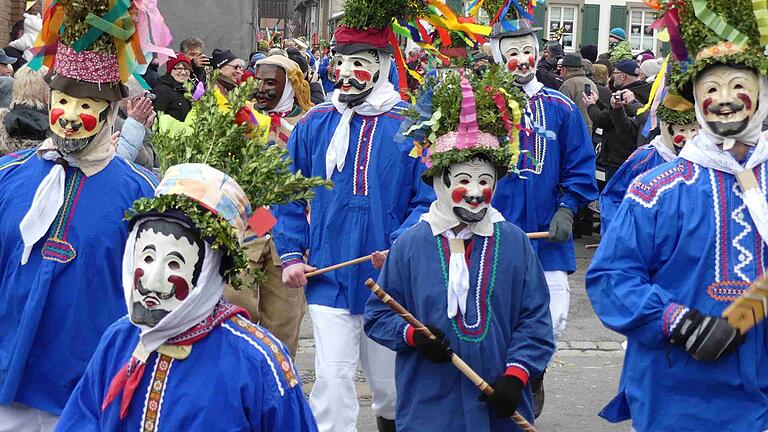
(582, 379)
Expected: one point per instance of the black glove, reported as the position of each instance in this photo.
(507, 394)
(437, 350)
(561, 227)
(706, 338)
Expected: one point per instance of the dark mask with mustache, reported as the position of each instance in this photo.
(267, 97)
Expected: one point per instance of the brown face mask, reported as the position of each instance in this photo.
(270, 87)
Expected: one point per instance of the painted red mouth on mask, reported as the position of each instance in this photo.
(678, 139)
(181, 287)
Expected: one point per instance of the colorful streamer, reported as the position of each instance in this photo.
(717, 24)
(760, 9)
(468, 128)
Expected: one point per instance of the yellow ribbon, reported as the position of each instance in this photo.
(517, 118)
(449, 21)
(476, 8)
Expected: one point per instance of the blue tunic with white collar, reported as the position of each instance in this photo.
(506, 325)
(642, 160)
(238, 378)
(682, 238)
(554, 172)
(54, 308)
(377, 195)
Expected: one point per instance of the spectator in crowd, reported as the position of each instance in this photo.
(317, 94)
(256, 56)
(618, 46)
(32, 23)
(546, 71)
(6, 79)
(230, 69)
(589, 71)
(152, 74)
(134, 121)
(576, 84)
(170, 90)
(480, 63)
(649, 69)
(326, 75)
(193, 49)
(17, 31)
(644, 56)
(589, 52)
(600, 74)
(25, 124)
(618, 142)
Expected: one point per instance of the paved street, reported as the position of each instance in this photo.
(581, 381)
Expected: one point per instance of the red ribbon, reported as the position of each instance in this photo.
(400, 62)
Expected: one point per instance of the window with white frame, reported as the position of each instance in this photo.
(641, 37)
(562, 22)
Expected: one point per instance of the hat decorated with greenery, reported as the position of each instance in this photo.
(676, 110)
(706, 32)
(223, 134)
(92, 47)
(466, 115)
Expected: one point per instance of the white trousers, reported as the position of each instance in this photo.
(559, 300)
(340, 343)
(20, 418)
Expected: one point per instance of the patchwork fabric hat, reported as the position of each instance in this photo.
(706, 32)
(92, 47)
(466, 116)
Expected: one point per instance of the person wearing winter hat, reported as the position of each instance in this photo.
(649, 69)
(589, 52)
(465, 163)
(575, 84)
(694, 339)
(317, 95)
(61, 217)
(230, 69)
(547, 71)
(377, 194)
(557, 180)
(170, 90)
(616, 35)
(283, 94)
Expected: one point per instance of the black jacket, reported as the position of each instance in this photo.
(170, 98)
(619, 142)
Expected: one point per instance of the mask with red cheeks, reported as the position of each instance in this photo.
(167, 261)
(467, 188)
(726, 97)
(519, 54)
(356, 74)
(75, 121)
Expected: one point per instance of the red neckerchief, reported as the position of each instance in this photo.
(276, 123)
(129, 377)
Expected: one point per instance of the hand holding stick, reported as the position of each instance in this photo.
(532, 236)
(463, 367)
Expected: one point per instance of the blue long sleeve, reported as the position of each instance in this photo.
(131, 139)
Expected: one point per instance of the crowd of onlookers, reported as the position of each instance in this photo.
(608, 88)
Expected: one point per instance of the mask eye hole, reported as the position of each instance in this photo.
(174, 265)
(711, 90)
(483, 182)
(464, 182)
(63, 101)
(149, 260)
(738, 86)
(85, 106)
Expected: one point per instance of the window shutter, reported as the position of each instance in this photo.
(591, 28)
(619, 17)
(540, 20)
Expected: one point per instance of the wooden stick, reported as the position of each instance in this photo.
(463, 367)
(532, 236)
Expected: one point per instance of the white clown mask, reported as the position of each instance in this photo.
(520, 54)
(168, 258)
(467, 188)
(727, 99)
(356, 74)
(676, 136)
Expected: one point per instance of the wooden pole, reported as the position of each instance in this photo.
(463, 367)
(532, 236)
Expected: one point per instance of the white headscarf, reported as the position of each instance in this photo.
(382, 98)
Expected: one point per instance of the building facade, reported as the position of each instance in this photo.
(10, 12)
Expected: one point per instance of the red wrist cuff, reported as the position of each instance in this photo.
(517, 372)
(409, 330)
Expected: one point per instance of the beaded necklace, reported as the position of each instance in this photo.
(486, 280)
